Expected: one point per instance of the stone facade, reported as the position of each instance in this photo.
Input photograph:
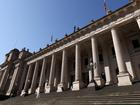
(105, 52)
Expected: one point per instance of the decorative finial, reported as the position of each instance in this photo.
(109, 12)
(34, 52)
(27, 50)
(40, 49)
(92, 20)
(66, 35)
(74, 28)
(24, 49)
(78, 28)
(48, 45)
(56, 40)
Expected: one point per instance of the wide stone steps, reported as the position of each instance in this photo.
(108, 95)
(78, 100)
(87, 102)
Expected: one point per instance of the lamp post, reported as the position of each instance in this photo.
(90, 69)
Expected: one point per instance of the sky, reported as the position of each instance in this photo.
(31, 23)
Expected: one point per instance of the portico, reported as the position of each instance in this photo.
(97, 69)
(105, 52)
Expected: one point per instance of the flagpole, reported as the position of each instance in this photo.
(105, 7)
(107, 10)
(51, 38)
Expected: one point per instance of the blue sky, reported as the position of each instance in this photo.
(30, 23)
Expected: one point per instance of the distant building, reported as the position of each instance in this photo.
(105, 52)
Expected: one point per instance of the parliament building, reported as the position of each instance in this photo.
(105, 52)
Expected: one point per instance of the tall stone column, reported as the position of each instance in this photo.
(63, 85)
(47, 77)
(42, 77)
(1, 73)
(23, 79)
(4, 78)
(77, 84)
(57, 75)
(34, 79)
(50, 86)
(128, 61)
(96, 65)
(14, 79)
(123, 77)
(28, 80)
(106, 61)
(138, 21)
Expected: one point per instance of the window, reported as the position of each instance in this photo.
(136, 43)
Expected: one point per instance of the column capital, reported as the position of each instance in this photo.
(53, 54)
(77, 44)
(94, 37)
(115, 28)
(64, 50)
(138, 20)
(138, 17)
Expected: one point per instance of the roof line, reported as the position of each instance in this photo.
(81, 29)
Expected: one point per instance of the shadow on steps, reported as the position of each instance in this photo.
(3, 97)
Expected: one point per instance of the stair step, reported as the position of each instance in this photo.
(108, 95)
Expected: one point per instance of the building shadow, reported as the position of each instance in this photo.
(3, 97)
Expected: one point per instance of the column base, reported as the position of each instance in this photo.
(91, 84)
(99, 81)
(135, 79)
(109, 83)
(30, 91)
(23, 93)
(39, 90)
(124, 79)
(61, 87)
(8, 93)
(77, 85)
(49, 89)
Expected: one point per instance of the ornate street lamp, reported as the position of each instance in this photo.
(91, 66)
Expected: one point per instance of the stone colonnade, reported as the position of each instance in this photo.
(31, 85)
(124, 77)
